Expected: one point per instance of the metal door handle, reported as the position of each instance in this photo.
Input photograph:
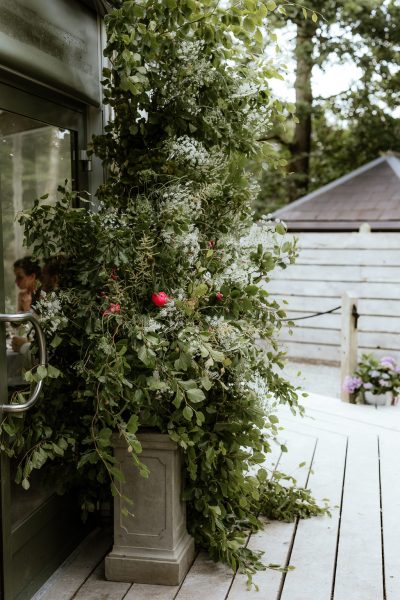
(40, 339)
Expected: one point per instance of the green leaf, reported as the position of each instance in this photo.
(133, 424)
(56, 341)
(200, 290)
(195, 395)
(280, 228)
(177, 401)
(147, 356)
(217, 355)
(41, 372)
(271, 5)
(200, 418)
(252, 290)
(53, 372)
(188, 385)
(187, 413)
(314, 17)
(206, 383)
(249, 24)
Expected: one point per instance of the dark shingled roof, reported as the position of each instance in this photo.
(370, 194)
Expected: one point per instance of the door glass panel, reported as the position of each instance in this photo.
(35, 158)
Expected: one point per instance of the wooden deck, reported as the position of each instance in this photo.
(352, 456)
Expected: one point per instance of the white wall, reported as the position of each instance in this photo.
(367, 264)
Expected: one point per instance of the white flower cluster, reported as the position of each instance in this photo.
(230, 338)
(246, 88)
(168, 310)
(187, 150)
(190, 72)
(173, 318)
(256, 235)
(105, 347)
(258, 120)
(190, 50)
(112, 219)
(240, 268)
(151, 325)
(189, 245)
(50, 312)
(178, 209)
(179, 204)
(258, 385)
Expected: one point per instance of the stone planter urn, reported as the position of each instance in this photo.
(151, 543)
(385, 399)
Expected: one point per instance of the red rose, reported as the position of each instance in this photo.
(160, 298)
(114, 275)
(219, 296)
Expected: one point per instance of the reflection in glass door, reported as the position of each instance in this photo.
(35, 158)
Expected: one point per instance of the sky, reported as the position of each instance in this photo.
(335, 78)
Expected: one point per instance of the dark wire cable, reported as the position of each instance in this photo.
(326, 312)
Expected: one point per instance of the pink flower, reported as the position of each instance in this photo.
(114, 275)
(219, 296)
(112, 309)
(351, 384)
(211, 244)
(388, 361)
(160, 298)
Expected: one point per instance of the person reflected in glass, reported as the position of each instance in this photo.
(27, 278)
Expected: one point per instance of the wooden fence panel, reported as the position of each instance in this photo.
(368, 265)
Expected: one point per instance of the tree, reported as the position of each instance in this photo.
(366, 33)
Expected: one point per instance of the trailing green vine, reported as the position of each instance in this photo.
(164, 316)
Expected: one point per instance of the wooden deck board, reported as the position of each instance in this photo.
(141, 591)
(389, 450)
(77, 568)
(316, 539)
(206, 580)
(97, 588)
(359, 560)
(276, 538)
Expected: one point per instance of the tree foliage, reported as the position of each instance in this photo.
(174, 224)
(336, 134)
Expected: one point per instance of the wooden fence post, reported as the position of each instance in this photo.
(349, 345)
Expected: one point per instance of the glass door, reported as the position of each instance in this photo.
(38, 527)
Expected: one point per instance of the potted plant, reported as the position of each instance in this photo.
(374, 381)
(165, 305)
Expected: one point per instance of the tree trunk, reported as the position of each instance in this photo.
(301, 145)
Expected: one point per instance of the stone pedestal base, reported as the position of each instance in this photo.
(151, 545)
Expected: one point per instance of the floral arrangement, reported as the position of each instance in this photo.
(374, 376)
(163, 320)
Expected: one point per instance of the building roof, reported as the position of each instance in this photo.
(370, 194)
